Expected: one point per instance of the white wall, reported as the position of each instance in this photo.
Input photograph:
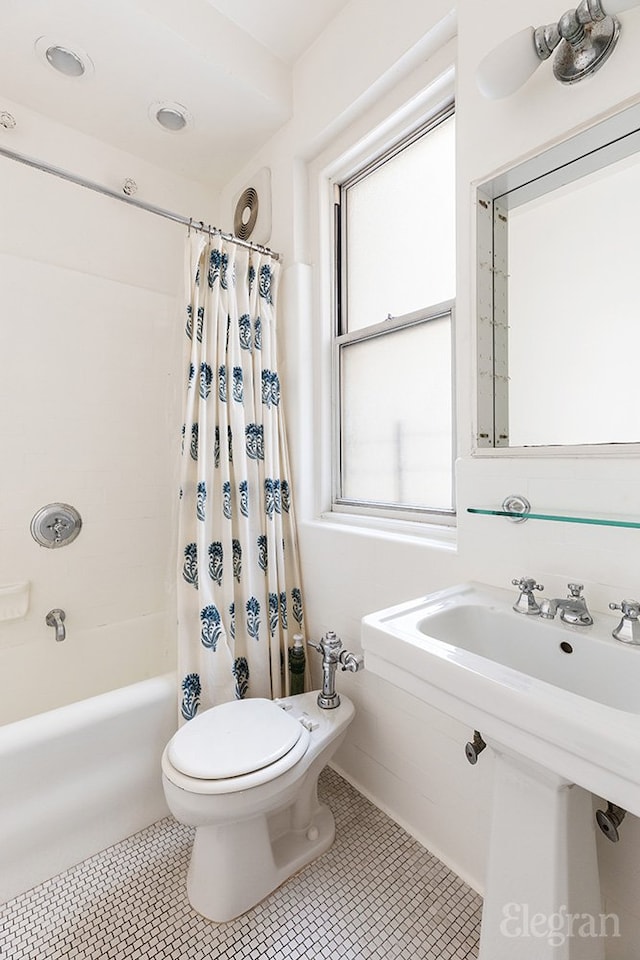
(409, 758)
(90, 385)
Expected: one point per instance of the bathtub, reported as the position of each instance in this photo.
(77, 779)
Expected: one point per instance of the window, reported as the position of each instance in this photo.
(395, 284)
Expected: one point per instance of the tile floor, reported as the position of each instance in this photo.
(376, 895)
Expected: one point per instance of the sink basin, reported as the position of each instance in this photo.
(583, 660)
(565, 696)
(559, 706)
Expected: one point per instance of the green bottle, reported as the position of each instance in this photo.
(297, 662)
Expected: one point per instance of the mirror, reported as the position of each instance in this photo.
(558, 297)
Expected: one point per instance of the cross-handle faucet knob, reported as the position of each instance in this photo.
(629, 608)
(526, 602)
(527, 584)
(628, 630)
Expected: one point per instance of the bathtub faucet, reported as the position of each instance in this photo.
(55, 618)
(330, 647)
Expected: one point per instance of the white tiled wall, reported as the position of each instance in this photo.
(90, 407)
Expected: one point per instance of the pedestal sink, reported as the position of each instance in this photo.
(560, 707)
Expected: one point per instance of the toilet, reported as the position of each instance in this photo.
(245, 774)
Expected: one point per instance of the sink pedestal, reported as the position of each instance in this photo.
(559, 706)
(542, 897)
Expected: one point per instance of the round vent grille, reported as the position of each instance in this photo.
(246, 213)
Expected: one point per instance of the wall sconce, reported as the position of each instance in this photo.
(584, 38)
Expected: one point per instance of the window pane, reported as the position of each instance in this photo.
(397, 417)
(401, 232)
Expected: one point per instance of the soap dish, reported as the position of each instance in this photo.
(14, 600)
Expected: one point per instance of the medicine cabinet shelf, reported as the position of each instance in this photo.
(559, 516)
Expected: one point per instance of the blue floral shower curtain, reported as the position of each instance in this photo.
(239, 589)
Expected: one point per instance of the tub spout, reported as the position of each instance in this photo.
(55, 618)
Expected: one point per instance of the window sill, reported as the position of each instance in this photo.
(438, 536)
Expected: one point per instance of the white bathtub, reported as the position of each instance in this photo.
(77, 779)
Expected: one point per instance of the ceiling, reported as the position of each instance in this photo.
(285, 27)
(229, 62)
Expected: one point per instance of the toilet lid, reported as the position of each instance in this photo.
(233, 739)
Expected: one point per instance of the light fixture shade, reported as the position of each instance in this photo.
(65, 61)
(170, 116)
(612, 7)
(509, 65)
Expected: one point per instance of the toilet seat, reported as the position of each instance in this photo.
(234, 746)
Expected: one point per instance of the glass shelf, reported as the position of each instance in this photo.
(557, 516)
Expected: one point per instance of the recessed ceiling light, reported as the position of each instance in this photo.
(171, 119)
(170, 116)
(66, 61)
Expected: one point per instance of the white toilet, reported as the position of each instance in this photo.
(245, 774)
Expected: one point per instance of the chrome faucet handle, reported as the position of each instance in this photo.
(628, 630)
(527, 584)
(629, 608)
(526, 602)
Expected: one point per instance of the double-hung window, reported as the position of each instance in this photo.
(393, 346)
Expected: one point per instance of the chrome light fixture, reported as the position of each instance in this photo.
(584, 38)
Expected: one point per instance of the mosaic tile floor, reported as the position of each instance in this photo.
(376, 895)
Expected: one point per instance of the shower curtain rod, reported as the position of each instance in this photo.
(140, 204)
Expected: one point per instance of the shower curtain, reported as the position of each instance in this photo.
(239, 588)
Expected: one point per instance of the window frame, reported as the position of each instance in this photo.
(341, 337)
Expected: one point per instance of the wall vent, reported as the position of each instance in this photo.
(252, 209)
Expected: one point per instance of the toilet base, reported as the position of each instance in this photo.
(236, 866)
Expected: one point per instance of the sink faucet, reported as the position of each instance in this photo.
(330, 647)
(526, 602)
(573, 608)
(628, 630)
